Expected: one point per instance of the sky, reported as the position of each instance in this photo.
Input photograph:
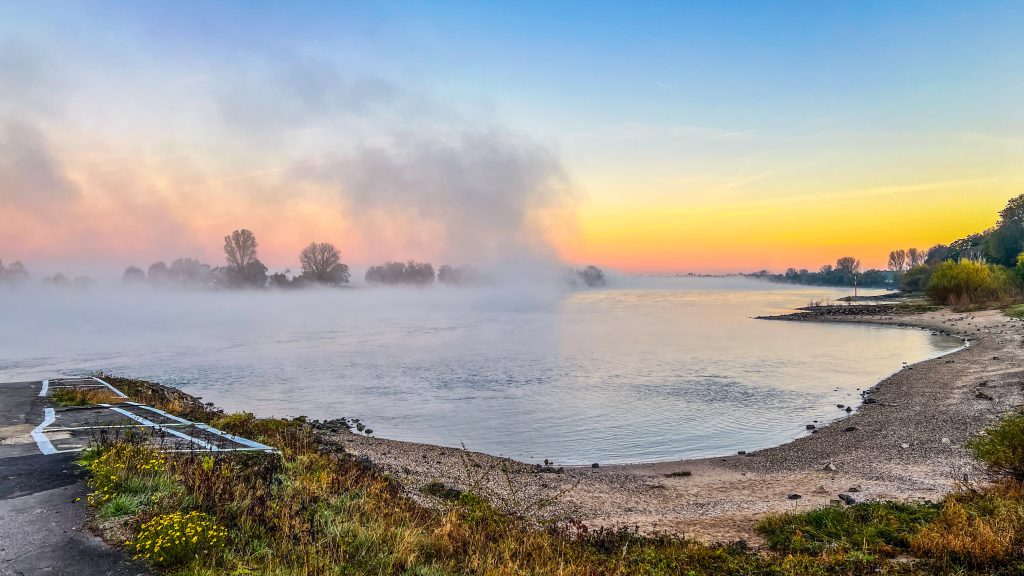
(654, 137)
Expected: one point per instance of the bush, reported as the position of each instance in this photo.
(981, 528)
(1002, 448)
(176, 539)
(969, 282)
(916, 279)
(126, 469)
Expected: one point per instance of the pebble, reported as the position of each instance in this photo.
(904, 445)
(794, 496)
(830, 467)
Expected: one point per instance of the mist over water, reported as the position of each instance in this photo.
(646, 369)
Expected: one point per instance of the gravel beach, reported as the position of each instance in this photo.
(904, 442)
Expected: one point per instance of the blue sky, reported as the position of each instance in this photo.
(645, 103)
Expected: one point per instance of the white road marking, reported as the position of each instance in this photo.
(116, 391)
(146, 422)
(37, 433)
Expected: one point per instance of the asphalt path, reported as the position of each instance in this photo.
(42, 501)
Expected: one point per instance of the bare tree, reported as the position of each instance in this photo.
(244, 267)
(897, 260)
(240, 249)
(916, 257)
(848, 265)
(321, 263)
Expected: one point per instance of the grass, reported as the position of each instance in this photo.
(1015, 311)
(876, 528)
(1002, 447)
(314, 510)
(84, 396)
(979, 529)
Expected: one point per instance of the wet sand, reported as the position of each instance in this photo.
(904, 443)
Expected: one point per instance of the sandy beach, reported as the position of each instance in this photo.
(904, 442)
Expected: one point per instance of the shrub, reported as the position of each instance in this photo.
(1002, 447)
(969, 282)
(129, 470)
(982, 528)
(176, 539)
(916, 279)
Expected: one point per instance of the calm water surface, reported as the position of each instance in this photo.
(651, 369)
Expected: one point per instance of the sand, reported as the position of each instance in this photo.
(905, 445)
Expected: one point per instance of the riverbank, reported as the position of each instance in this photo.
(905, 444)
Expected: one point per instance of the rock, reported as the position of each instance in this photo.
(794, 496)
(870, 401)
(904, 445)
(840, 406)
(946, 441)
(848, 409)
(364, 461)
(856, 488)
(742, 452)
(369, 430)
(820, 490)
(995, 357)
(810, 426)
(595, 465)
(441, 491)
(982, 396)
(830, 467)
(850, 429)
(849, 500)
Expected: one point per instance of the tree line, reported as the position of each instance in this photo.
(980, 268)
(846, 272)
(320, 263)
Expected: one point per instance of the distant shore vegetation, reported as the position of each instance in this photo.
(977, 270)
(320, 265)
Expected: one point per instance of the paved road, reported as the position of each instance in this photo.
(41, 516)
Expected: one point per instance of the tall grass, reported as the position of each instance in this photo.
(967, 282)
